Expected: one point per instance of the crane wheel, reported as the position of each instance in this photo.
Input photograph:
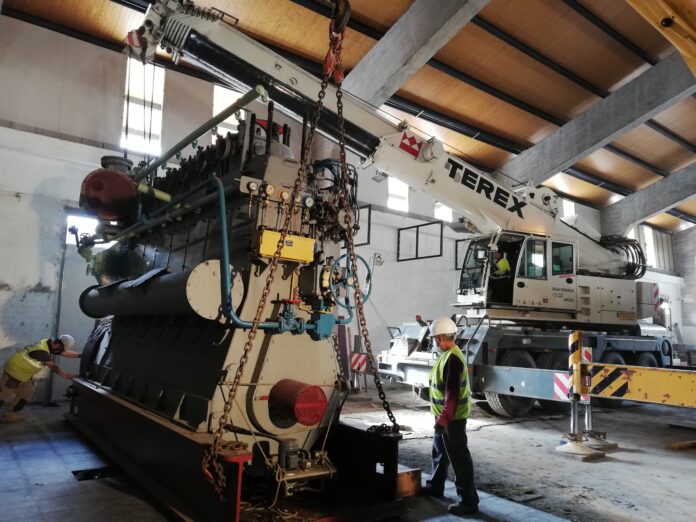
(610, 358)
(512, 405)
(556, 360)
(647, 360)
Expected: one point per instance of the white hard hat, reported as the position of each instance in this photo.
(443, 326)
(67, 340)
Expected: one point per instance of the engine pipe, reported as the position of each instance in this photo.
(258, 91)
(288, 324)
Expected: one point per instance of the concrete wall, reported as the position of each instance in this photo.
(188, 103)
(404, 289)
(57, 84)
(60, 111)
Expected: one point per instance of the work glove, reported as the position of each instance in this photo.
(439, 428)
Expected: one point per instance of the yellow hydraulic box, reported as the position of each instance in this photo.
(296, 248)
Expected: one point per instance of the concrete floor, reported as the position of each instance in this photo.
(515, 458)
(38, 458)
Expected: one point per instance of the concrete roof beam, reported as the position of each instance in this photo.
(407, 46)
(652, 200)
(649, 94)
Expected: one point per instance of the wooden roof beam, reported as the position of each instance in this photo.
(659, 197)
(407, 46)
(652, 92)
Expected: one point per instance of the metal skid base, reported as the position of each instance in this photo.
(166, 460)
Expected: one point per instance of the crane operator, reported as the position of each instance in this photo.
(502, 265)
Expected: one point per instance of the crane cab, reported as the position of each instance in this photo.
(511, 270)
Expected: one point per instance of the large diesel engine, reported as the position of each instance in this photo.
(177, 295)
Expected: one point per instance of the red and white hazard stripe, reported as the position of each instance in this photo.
(358, 362)
(561, 388)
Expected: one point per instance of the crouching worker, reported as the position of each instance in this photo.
(17, 384)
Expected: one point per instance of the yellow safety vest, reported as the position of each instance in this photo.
(437, 386)
(21, 366)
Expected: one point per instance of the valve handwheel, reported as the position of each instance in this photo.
(343, 280)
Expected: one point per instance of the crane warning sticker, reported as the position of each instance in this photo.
(410, 144)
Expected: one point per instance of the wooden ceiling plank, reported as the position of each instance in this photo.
(556, 31)
(493, 61)
(615, 169)
(649, 145)
(432, 88)
(667, 222)
(680, 118)
(567, 184)
(627, 21)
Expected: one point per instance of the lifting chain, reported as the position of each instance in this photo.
(336, 41)
(212, 468)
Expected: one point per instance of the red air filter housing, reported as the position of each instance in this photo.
(305, 403)
(110, 194)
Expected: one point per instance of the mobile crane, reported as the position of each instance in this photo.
(153, 380)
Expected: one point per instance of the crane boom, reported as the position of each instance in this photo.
(203, 37)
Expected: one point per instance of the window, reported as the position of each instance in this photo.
(561, 259)
(419, 241)
(649, 246)
(443, 212)
(142, 108)
(656, 245)
(397, 194)
(533, 264)
(568, 208)
(223, 98)
(83, 225)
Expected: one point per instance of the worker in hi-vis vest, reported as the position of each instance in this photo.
(502, 265)
(450, 403)
(17, 383)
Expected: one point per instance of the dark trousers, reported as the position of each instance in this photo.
(451, 446)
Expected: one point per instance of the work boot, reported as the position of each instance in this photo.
(429, 491)
(462, 510)
(11, 417)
